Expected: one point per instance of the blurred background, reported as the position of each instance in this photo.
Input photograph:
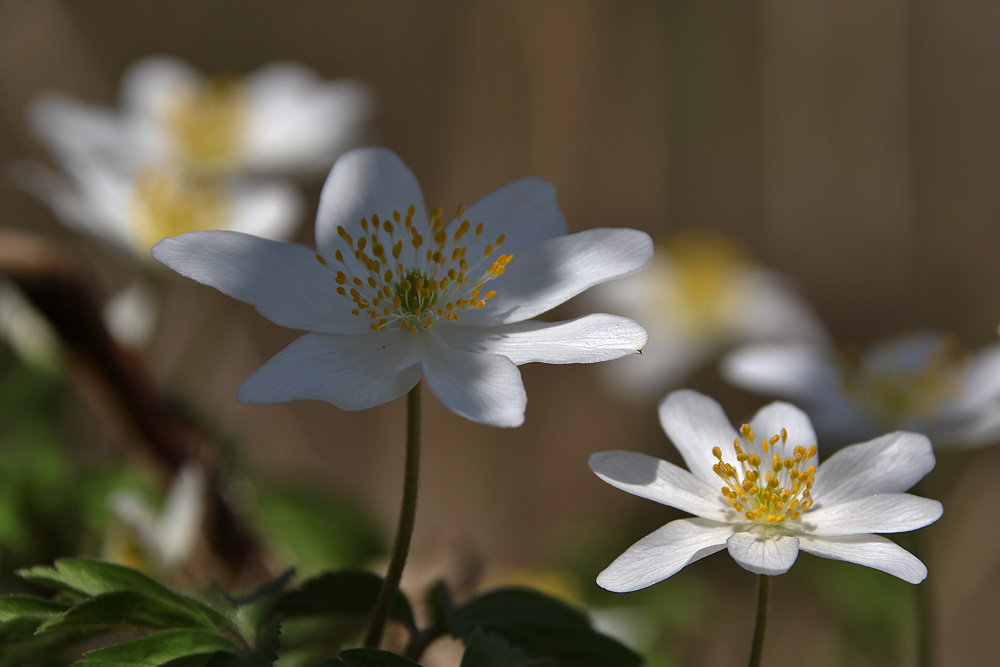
(853, 146)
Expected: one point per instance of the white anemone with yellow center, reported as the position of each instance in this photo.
(761, 493)
(282, 117)
(922, 382)
(134, 210)
(699, 295)
(391, 295)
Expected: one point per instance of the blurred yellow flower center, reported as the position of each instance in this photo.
(911, 377)
(408, 282)
(767, 485)
(703, 283)
(167, 204)
(207, 124)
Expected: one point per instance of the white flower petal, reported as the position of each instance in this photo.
(872, 551)
(151, 85)
(772, 309)
(982, 382)
(763, 554)
(547, 274)
(75, 131)
(880, 513)
(525, 211)
(773, 417)
(695, 424)
(660, 481)
(299, 121)
(794, 371)
(663, 553)
(890, 464)
(180, 519)
(363, 182)
(268, 210)
(284, 281)
(484, 388)
(585, 340)
(351, 372)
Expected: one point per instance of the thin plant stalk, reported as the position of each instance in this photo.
(404, 529)
(763, 598)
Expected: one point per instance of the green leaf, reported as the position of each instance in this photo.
(343, 592)
(255, 611)
(518, 607)
(158, 649)
(15, 606)
(369, 657)
(127, 609)
(541, 626)
(93, 578)
(489, 650)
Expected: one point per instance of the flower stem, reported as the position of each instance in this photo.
(763, 597)
(404, 529)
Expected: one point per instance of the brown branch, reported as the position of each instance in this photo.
(49, 276)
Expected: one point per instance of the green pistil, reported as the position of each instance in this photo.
(414, 294)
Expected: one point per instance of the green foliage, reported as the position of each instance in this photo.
(339, 593)
(139, 622)
(489, 650)
(540, 626)
(369, 657)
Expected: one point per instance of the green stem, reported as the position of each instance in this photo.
(763, 597)
(404, 530)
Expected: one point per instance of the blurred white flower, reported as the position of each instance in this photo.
(919, 382)
(281, 118)
(759, 493)
(134, 210)
(164, 540)
(393, 296)
(698, 296)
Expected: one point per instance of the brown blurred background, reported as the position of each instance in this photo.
(852, 145)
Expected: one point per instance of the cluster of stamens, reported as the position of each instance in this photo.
(168, 203)
(207, 123)
(767, 487)
(410, 282)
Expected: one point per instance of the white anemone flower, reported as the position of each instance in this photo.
(134, 210)
(281, 118)
(759, 493)
(918, 382)
(700, 295)
(393, 296)
(164, 539)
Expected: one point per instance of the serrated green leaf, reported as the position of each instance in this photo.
(158, 649)
(254, 612)
(369, 657)
(489, 650)
(94, 577)
(127, 609)
(17, 629)
(15, 606)
(343, 592)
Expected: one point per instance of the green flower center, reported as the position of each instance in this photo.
(409, 283)
(767, 486)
